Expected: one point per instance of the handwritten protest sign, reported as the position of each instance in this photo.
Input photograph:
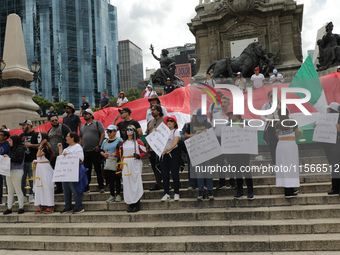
(203, 147)
(66, 169)
(325, 130)
(239, 140)
(5, 165)
(157, 140)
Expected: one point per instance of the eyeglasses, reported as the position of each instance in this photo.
(170, 121)
(54, 120)
(86, 113)
(122, 113)
(153, 109)
(110, 131)
(130, 130)
(67, 108)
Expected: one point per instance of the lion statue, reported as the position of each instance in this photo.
(250, 58)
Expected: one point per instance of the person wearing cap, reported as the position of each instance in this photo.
(158, 118)
(192, 81)
(92, 135)
(57, 134)
(71, 120)
(338, 69)
(154, 99)
(85, 105)
(149, 91)
(170, 159)
(241, 82)
(29, 139)
(169, 87)
(276, 78)
(239, 160)
(209, 81)
(51, 113)
(257, 79)
(215, 108)
(127, 120)
(105, 101)
(121, 99)
(108, 151)
(199, 125)
(332, 151)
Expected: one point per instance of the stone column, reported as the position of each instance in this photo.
(16, 102)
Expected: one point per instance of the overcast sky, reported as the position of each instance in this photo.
(163, 23)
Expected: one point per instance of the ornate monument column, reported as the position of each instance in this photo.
(224, 28)
(16, 102)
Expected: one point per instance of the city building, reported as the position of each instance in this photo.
(184, 54)
(76, 43)
(130, 65)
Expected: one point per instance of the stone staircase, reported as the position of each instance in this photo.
(270, 224)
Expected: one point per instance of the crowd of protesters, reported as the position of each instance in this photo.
(33, 154)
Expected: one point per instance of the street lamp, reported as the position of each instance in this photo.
(35, 68)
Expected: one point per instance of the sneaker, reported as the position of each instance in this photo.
(166, 197)
(87, 192)
(221, 187)
(21, 211)
(66, 211)
(102, 191)
(78, 211)
(118, 198)
(40, 210)
(8, 211)
(238, 195)
(30, 198)
(291, 196)
(49, 210)
(176, 197)
(251, 196)
(200, 196)
(210, 195)
(332, 192)
(190, 188)
(111, 199)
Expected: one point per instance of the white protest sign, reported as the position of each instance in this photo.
(5, 165)
(239, 140)
(203, 147)
(325, 130)
(66, 169)
(158, 139)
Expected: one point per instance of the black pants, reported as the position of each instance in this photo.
(289, 191)
(154, 161)
(239, 160)
(272, 143)
(93, 158)
(113, 180)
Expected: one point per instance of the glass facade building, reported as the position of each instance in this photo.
(131, 65)
(76, 43)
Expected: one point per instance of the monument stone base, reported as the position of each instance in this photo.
(16, 105)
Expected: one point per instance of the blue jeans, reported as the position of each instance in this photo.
(27, 171)
(68, 191)
(192, 181)
(207, 181)
(1, 187)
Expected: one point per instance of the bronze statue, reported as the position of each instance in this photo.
(167, 70)
(269, 64)
(245, 63)
(329, 50)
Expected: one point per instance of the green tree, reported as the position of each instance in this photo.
(59, 107)
(43, 103)
(133, 94)
(113, 101)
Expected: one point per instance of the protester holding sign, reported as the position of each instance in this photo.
(4, 149)
(108, 151)
(131, 152)
(17, 155)
(238, 161)
(287, 155)
(43, 184)
(74, 148)
(170, 160)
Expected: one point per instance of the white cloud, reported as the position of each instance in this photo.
(163, 23)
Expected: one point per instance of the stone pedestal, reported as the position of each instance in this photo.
(16, 105)
(275, 24)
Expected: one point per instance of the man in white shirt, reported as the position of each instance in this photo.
(276, 78)
(257, 80)
(209, 81)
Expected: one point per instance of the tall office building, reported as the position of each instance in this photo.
(76, 43)
(130, 65)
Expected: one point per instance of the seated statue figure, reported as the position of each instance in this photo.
(167, 70)
(329, 50)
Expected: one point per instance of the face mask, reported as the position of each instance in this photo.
(129, 132)
(39, 138)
